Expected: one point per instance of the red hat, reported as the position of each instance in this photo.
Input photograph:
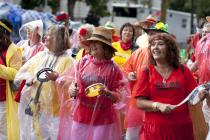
(149, 21)
(62, 16)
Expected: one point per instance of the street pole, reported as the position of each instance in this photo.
(192, 17)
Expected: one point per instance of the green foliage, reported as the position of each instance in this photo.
(30, 4)
(201, 7)
(99, 7)
(54, 4)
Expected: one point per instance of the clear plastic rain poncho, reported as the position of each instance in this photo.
(31, 26)
(43, 122)
(202, 54)
(28, 33)
(92, 118)
(138, 59)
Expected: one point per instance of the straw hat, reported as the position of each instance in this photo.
(208, 18)
(101, 34)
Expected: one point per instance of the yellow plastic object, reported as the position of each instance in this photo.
(93, 90)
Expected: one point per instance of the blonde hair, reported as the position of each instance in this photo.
(61, 37)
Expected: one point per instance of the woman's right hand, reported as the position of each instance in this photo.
(132, 76)
(165, 108)
(30, 81)
(73, 89)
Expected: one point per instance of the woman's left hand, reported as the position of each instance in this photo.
(52, 75)
(165, 108)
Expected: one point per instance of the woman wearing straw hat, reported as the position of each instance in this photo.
(99, 90)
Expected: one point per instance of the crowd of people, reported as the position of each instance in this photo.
(103, 83)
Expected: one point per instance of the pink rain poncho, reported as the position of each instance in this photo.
(139, 58)
(202, 54)
(92, 118)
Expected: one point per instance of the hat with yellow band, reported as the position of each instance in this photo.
(5, 27)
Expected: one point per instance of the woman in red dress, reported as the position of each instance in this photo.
(163, 84)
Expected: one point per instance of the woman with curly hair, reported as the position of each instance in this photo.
(164, 84)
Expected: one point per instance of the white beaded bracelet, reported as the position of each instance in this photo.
(154, 106)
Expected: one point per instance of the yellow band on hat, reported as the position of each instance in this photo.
(5, 27)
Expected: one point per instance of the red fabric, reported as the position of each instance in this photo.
(62, 16)
(18, 95)
(3, 81)
(39, 48)
(195, 40)
(115, 38)
(126, 45)
(97, 72)
(138, 59)
(202, 55)
(176, 125)
(83, 32)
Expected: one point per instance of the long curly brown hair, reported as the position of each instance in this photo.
(172, 49)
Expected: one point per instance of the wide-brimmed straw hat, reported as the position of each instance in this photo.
(208, 18)
(101, 34)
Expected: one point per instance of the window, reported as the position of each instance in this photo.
(125, 11)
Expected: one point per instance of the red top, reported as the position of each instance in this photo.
(89, 110)
(172, 92)
(3, 81)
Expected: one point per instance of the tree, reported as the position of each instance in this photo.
(31, 4)
(164, 8)
(71, 4)
(201, 7)
(99, 7)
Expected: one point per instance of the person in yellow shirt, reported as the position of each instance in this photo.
(10, 62)
(126, 45)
